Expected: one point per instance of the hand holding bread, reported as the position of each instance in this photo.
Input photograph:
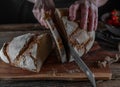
(85, 11)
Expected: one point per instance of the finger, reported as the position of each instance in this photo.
(39, 12)
(45, 24)
(41, 22)
(41, 17)
(91, 18)
(36, 10)
(71, 8)
(75, 11)
(96, 19)
(84, 8)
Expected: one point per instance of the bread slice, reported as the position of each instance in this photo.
(28, 51)
(62, 57)
(81, 40)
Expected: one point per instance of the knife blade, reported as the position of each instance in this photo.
(82, 66)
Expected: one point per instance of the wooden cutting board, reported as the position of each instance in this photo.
(52, 69)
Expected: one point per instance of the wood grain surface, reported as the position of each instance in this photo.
(62, 75)
(54, 70)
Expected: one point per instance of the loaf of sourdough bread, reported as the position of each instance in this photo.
(81, 39)
(28, 51)
(65, 31)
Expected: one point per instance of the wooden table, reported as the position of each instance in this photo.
(115, 82)
(115, 68)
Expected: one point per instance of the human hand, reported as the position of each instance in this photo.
(86, 12)
(42, 7)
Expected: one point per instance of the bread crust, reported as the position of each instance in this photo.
(31, 54)
(81, 39)
(62, 57)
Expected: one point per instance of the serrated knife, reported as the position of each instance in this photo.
(82, 66)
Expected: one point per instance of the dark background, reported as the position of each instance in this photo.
(20, 11)
(109, 6)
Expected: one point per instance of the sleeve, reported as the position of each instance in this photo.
(109, 6)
